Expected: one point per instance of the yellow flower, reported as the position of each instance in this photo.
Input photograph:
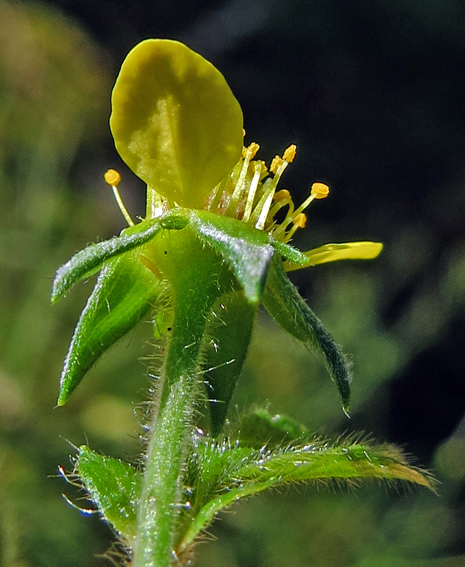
(214, 215)
(178, 126)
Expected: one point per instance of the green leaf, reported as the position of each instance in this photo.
(259, 427)
(246, 249)
(114, 487)
(90, 260)
(321, 460)
(175, 121)
(284, 303)
(240, 472)
(229, 332)
(124, 293)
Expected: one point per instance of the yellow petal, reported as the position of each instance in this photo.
(175, 121)
(335, 252)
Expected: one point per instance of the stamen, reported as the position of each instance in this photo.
(156, 204)
(262, 209)
(251, 150)
(278, 165)
(252, 190)
(282, 199)
(298, 222)
(247, 154)
(218, 199)
(249, 194)
(289, 153)
(223, 203)
(211, 198)
(320, 190)
(288, 157)
(113, 178)
(281, 195)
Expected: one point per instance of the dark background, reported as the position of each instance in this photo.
(372, 94)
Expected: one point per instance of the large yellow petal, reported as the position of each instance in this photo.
(175, 121)
(335, 252)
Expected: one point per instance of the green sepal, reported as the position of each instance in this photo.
(88, 261)
(229, 331)
(246, 249)
(284, 303)
(114, 487)
(289, 253)
(123, 294)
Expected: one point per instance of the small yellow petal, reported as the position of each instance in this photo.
(335, 252)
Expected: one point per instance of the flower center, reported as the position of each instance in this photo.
(250, 194)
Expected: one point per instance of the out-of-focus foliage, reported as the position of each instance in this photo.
(54, 87)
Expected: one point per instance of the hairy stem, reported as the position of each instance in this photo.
(195, 290)
(161, 494)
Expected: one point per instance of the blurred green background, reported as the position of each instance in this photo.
(372, 94)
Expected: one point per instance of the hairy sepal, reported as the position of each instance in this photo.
(290, 254)
(90, 260)
(259, 427)
(284, 303)
(123, 294)
(229, 333)
(246, 249)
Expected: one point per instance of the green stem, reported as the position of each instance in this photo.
(170, 434)
(197, 277)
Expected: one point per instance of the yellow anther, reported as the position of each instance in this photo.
(300, 220)
(254, 147)
(276, 163)
(289, 154)
(250, 151)
(297, 222)
(319, 190)
(283, 194)
(112, 177)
